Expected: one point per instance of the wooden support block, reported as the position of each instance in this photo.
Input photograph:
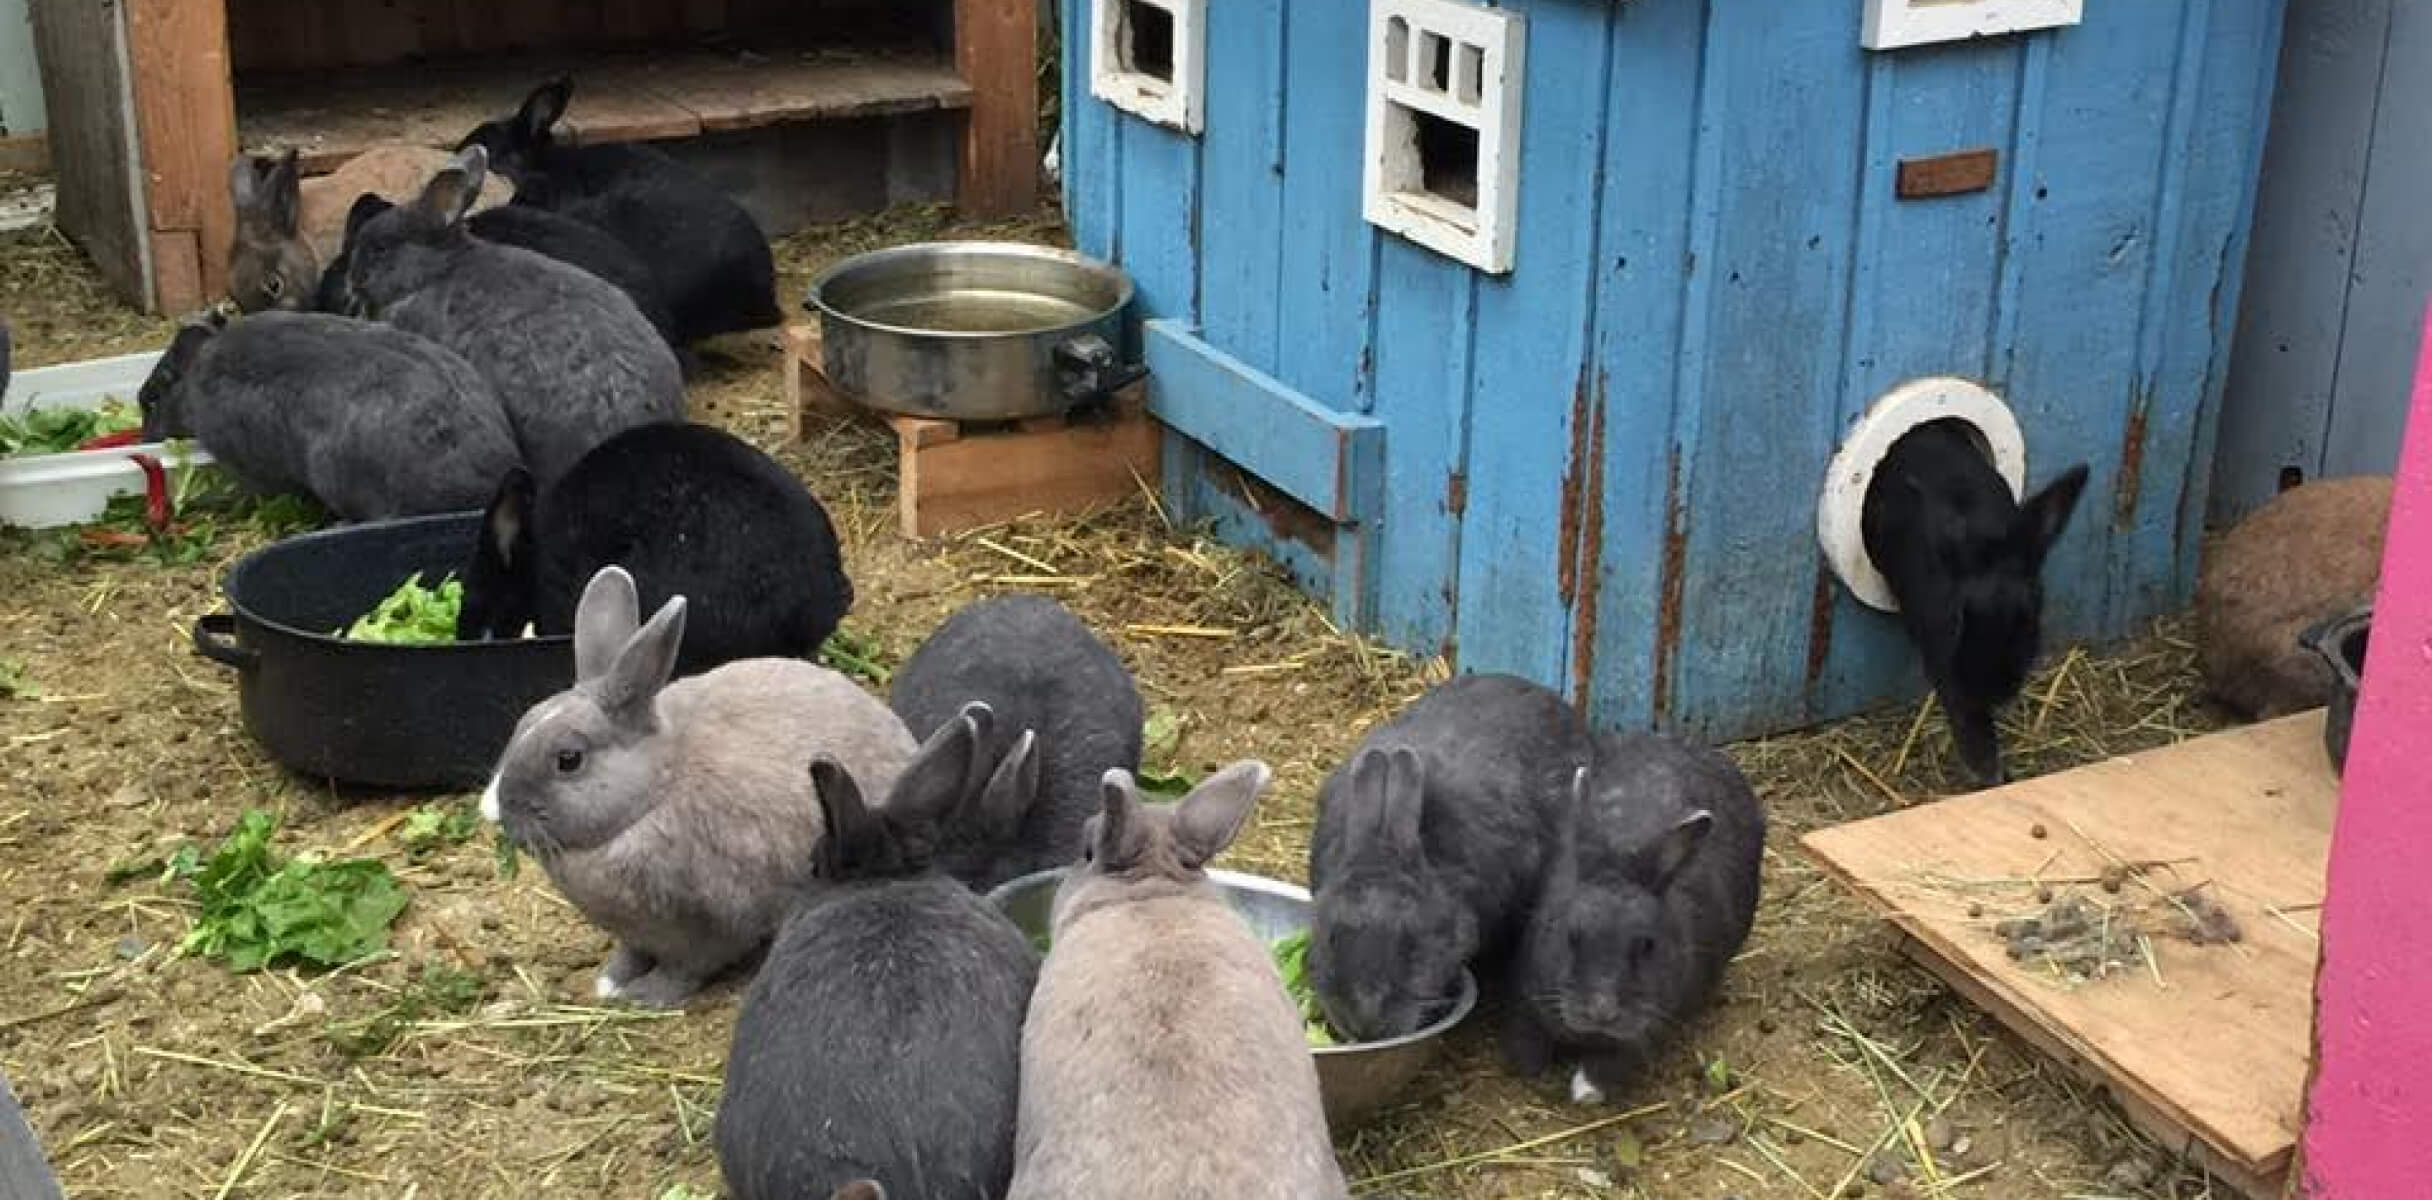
(177, 272)
(955, 478)
(996, 52)
(185, 111)
(807, 391)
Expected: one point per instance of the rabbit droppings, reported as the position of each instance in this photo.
(371, 421)
(289, 228)
(882, 1038)
(686, 510)
(1965, 561)
(1162, 1056)
(1428, 848)
(570, 357)
(677, 816)
(1650, 890)
(1067, 713)
(711, 260)
(2312, 554)
(538, 230)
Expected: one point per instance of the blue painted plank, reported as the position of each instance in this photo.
(1241, 161)
(1092, 166)
(1331, 461)
(1533, 465)
(1652, 163)
(1788, 76)
(1157, 237)
(1326, 282)
(1425, 305)
(2394, 263)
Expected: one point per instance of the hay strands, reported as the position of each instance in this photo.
(1506, 1152)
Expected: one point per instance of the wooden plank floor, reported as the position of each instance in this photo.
(331, 116)
(2208, 1049)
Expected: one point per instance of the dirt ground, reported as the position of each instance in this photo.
(470, 1060)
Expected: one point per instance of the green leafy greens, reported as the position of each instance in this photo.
(60, 430)
(413, 615)
(1291, 953)
(259, 909)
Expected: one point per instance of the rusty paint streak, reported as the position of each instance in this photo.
(1566, 538)
(2132, 466)
(1819, 626)
(1284, 516)
(1456, 493)
(1591, 561)
(1675, 582)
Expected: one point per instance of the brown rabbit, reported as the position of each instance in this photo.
(288, 227)
(1161, 1056)
(2312, 554)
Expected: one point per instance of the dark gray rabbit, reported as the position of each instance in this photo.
(686, 510)
(882, 1039)
(677, 816)
(1648, 894)
(1162, 1056)
(570, 357)
(372, 421)
(1965, 560)
(1429, 844)
(1067, 713)
(711, 259)
(535, 229)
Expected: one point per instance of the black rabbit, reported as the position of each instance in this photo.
(882, 1039)
(1649, 890)
(1429, 845)
(538, 230)
(711, 259)
(689, 511)
(1067, 713)
(1965, 561)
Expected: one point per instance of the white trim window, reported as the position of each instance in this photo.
(1442, 163)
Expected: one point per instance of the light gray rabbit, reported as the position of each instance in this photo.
(2311, 555)
(1067, 713)
(1649, 891)
(1162, 1057)
(570, 357)
(680, 817)
(372, 421)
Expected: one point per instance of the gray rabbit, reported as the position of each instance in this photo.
(882, 1038)
(373, 422)
(1162, 1057)
(1067, 713)
(1429, 845)
(678, 816)
(571, 358)
(1649, 893)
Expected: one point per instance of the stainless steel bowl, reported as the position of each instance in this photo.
(1354, 1080)
(973, 331)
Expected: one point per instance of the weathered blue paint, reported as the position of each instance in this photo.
(1599, 471)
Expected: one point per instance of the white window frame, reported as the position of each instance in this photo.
(1892, 24)
(1180, 104)
(1489, 52)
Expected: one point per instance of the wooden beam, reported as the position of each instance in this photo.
(1332, 461)
(996, 52)
(178, 261)
(185, 110)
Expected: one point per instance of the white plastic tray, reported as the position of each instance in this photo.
(45, 490)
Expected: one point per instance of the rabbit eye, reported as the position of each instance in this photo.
(273, 285)
(569, 761)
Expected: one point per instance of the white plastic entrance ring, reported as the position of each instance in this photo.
(1840, 510)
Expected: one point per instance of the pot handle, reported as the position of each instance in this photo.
(1088, 368)
(215, 639)
(2320, 636)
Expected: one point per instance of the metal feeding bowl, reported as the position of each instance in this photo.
(1355, 1080)
(973, 331)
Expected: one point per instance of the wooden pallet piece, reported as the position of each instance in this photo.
(2213, 1060)
(956, 477)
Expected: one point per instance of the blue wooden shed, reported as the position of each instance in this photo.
(1593, 458)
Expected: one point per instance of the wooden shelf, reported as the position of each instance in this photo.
(329, 117)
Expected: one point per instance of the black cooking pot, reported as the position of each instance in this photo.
(402, 717)
(2341, 643)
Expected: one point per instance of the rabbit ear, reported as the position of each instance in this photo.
(1011, 789)
(1210, 817)
(283, 194)
(1678, 844)
(2046, 513)
(944, 773)
(450, 193)
(360, 214)
(604, 619)
(1116, 836)
(543, 107)
(245, 184)
(643, 667)
(1405, 802)
(851, 829)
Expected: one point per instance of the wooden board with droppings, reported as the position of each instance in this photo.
(2207, 1047)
